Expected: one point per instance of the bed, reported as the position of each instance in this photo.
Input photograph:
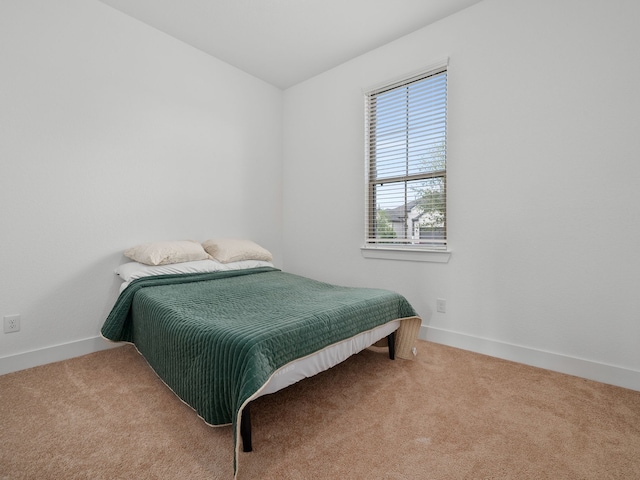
(223, 334)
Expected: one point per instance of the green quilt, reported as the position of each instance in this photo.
(216, 338)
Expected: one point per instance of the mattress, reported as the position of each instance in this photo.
(324, 359)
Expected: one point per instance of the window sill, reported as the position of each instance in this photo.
(411, 255)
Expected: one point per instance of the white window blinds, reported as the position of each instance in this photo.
(406, 145)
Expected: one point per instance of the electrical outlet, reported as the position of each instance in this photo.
(11, 323)
(441, 305)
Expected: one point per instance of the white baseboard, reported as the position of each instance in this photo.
(56, 353)
(600, 372)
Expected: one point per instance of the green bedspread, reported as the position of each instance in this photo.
(216, 338)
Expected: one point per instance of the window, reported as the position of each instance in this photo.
(406, 146)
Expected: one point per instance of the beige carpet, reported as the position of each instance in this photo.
(449, 414)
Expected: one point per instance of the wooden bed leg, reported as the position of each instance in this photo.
(245, 428)
(391, 340)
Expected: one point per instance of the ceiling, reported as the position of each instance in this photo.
(284, 42)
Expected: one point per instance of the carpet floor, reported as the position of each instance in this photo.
(448, 414)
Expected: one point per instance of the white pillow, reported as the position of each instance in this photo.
(164, 253)
(227, 250)
(244, 264)
(133, 270)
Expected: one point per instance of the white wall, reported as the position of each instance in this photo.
(112, 134)
(543, 185)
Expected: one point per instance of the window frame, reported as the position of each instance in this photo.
(404, 248)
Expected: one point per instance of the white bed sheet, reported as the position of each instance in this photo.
(324, 359)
